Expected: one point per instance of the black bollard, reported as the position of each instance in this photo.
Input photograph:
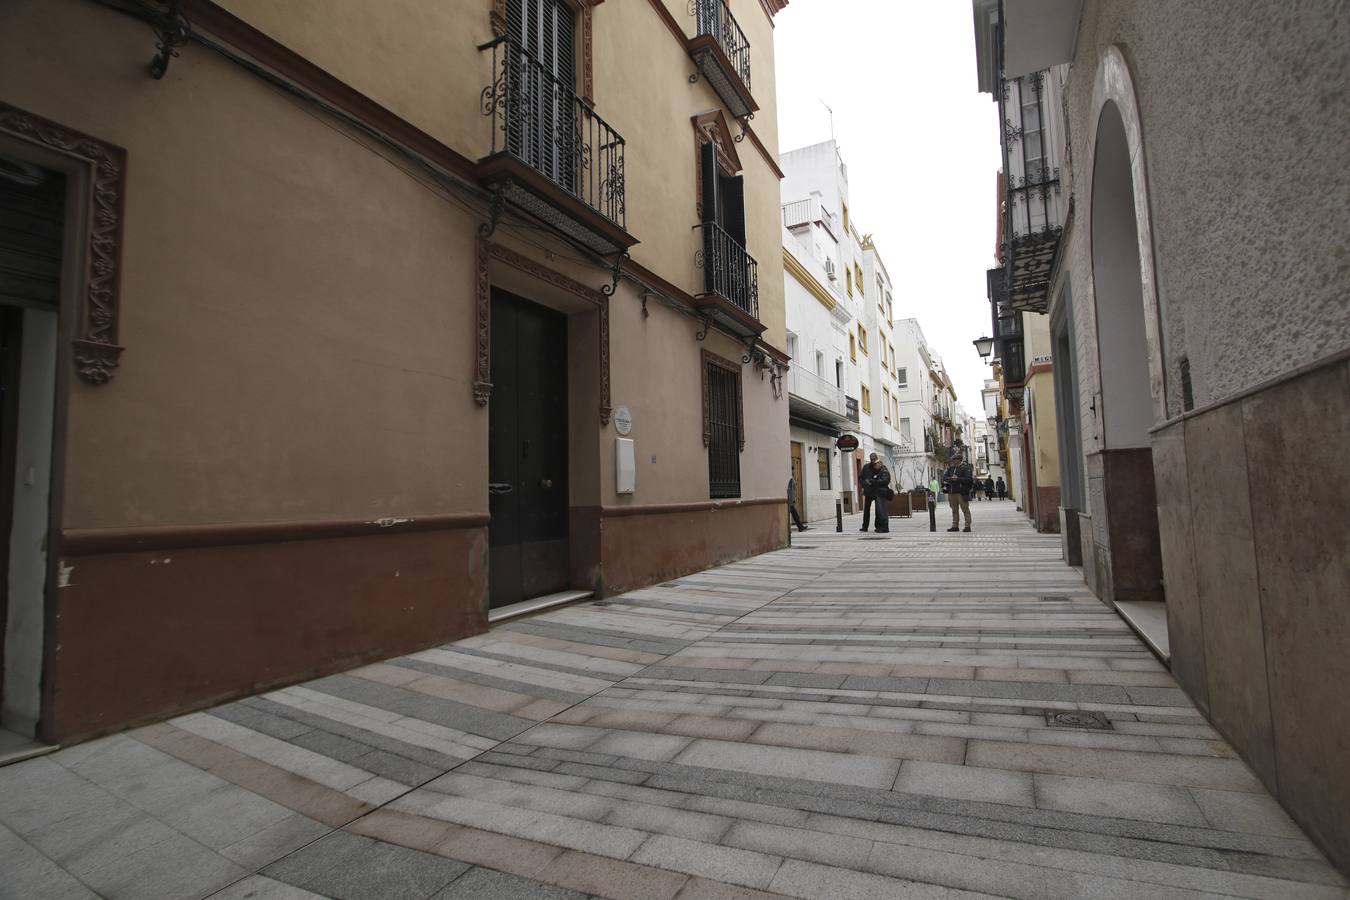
(932, 512)
(839, 516)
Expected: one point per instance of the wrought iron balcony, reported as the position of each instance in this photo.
(551, 154)
(1034, 206)
(722, 54)
(730, 281)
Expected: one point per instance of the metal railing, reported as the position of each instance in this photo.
(798, 212)
(540, 120)
(728, 271)
(715, 19)
(811, 387)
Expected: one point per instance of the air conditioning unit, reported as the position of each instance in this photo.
(829, 270)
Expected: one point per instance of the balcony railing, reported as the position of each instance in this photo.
(1034, 207)
(715, 20)
(728, 271)
(569, 154)
(723, 54)
(812, 388)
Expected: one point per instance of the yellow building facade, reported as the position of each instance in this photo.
(364, 319)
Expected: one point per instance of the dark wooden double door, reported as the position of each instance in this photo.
(527, 452)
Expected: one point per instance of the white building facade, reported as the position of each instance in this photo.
(840, 304)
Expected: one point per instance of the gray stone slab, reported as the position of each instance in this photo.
(800, 843)
(478, 678)
(744, 867)
(1029, 690)
(965, 782)
(369, 738)
(352, 867)
(38, 792)
(105, 834)
(334, 746)
(272, 843)
(721, 676)
(437, 710)
(796, 679)
(486, 884)
(1118, 799)
(261, 721)
(397, 768)
(819, 765)
(27, 874)
(167, 870)
(260, 887)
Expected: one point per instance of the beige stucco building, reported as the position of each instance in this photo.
(1200, 334)
(367, 317)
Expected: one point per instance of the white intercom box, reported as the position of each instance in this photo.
(625, 469)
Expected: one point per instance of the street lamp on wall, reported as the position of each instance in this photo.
(984, 346)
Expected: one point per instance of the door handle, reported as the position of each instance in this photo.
(500, 488)
(546, 483)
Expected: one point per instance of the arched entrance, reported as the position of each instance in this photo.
(1125, 520)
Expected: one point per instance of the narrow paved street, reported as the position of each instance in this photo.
(853, 717)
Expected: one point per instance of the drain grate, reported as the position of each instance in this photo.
(875, 537)
(803, 547)
(1077, 718)
(668, 584)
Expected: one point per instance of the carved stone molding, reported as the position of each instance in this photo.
(97, 352)
(486, 251)
(587, 56)
(721, 362)
(482, 382)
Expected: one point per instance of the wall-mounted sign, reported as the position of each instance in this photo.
(623, 420)
(1042, 359)
(847, 442)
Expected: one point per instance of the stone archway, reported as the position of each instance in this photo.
(1127, 556)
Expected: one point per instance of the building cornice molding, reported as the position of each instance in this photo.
(804, 277)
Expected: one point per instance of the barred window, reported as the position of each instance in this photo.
(723, 425)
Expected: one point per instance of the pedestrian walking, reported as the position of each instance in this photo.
(792, 504)
(989, 488)
(1002, 489)
(977, 489)
(959, 480)
(875, 479)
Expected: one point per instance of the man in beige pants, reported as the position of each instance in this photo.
(957, 481)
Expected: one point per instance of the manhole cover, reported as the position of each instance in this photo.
(1077, 718)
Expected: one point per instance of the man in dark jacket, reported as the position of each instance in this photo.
(958, 480)
(989, 488)
(875, 480)
(1002, 489)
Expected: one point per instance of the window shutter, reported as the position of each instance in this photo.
(708, 171)
(734, 204)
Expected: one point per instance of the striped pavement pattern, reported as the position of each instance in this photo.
(852, 717)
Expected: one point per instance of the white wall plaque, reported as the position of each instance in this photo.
(623, 420)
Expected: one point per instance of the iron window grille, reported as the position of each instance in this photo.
(723, 425)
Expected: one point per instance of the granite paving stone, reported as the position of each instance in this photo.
(846, 719)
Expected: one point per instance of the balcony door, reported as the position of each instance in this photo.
(722, 197)
(542, 131)
(527, 452)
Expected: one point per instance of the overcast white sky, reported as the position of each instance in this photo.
(921, 146)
